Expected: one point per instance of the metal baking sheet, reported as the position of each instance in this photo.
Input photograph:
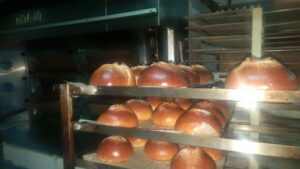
(140, 160)
(237, 145)
(148, 125)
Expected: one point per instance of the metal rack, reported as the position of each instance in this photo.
(232, 32)
(271, 99)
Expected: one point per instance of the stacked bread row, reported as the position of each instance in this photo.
(199, 118)
(157, 74)
(258, 74)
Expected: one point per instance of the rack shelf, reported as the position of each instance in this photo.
(272, 99)
(231, 33)
(279, 96)
(251, 147)
(138, 158)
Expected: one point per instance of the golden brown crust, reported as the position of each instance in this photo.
(209, 106)
(118, 115)
(183, 103)
(154, 101)
(136, 71)
(141, 108)
(264, 74)
(166, 114)
(159, 150)
(137, 142)
(114, 149)
(215, 154)
(203, 73)
(192, 158)
(163, 74)
(222, 106)
(199, 122)
(112, 75)
(192, 75)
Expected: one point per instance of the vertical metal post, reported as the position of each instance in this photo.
(166, 45)
(171, 45)
(180, 51)
(143, 51)
(257, 32)
(66, 124)
(256, 52)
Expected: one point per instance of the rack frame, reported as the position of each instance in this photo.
(72, 90)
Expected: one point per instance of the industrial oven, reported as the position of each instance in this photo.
(50, 49)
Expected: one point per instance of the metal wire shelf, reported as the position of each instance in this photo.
(277, 99)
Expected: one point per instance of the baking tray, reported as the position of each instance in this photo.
(140, 160)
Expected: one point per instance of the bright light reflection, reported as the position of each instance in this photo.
(22, 68)
(245, 146)
(248, 97)
(164, 84)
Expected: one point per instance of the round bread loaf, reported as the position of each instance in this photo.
(118, 115)
(199, 122)
(203, 73)
(192, 158)
(154, 101)
(141, 108)
(137, 142)
(209, 106)
(166, 114)
(136, 70)
(112, 75)
(114, 149)
(215, 154)
(192, 75)
(159, 150)
(261, 74)
(163, 74)
(222, 106)
(183, 103)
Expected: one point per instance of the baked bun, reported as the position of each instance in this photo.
(112, 75)
(137, 71)
(215, 154)
(192, 75)
(261, 74)
(137, 142)
(154, 101)
(192, 158)
(159, 150)
(166, 114)
(114, 149)
(163, 74)
(199, 122)
(183, 103)
(222, 106)
(203, 73)
(141, 108)
(118, 115)
(209, 106)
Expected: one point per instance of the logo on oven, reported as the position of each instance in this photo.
(29, 17)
